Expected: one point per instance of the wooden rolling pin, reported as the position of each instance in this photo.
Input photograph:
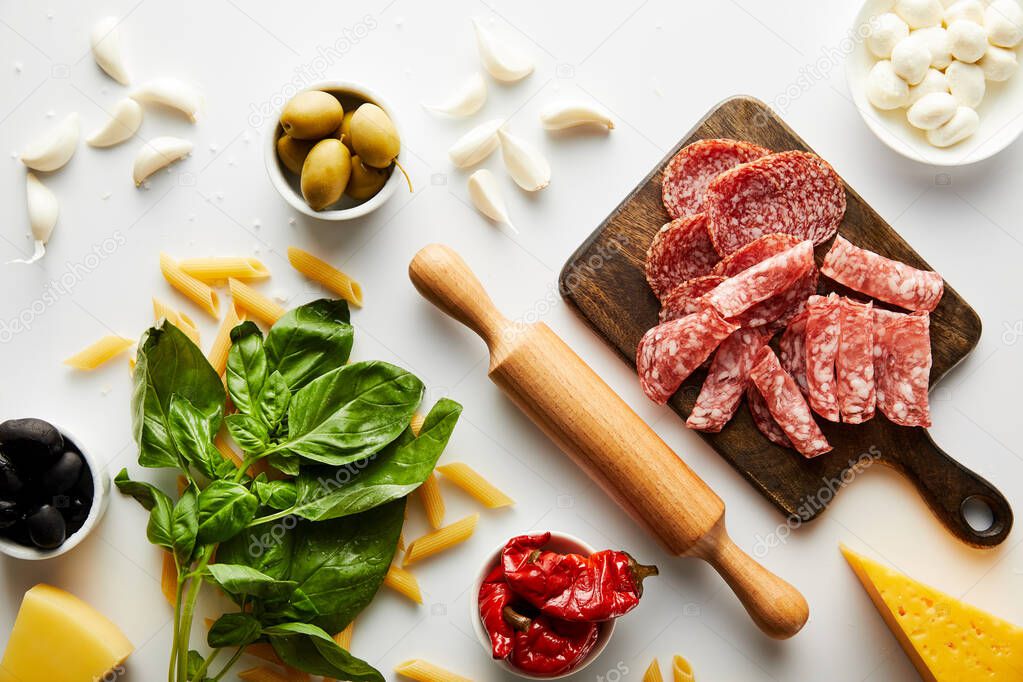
(579, 412)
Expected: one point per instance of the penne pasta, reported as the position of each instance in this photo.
(101, 351)
(682, 671)
(264, 651)
(169, 579)
(262, 674)
(466, 478)
(653, 672)
(179, 320)
(295, 675)
(182, 484)
(418, 419)
(423, 671)
(254, 304)
(198, 292)
(221, 268)
(441, 539)
(404, 583)
(222, 342)
(344, 638)
(433, 501)
(326, 275)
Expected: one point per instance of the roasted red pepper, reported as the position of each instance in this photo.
(572, 587)
(494, 596)
(548, 646)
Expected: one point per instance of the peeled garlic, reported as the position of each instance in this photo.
(486, 197)
(122, 125)
(172, 93)
(476, 145)
(501, 60)
(42, 216)
(52, 150)
(527, 167)
(106, 49)
(466, 101)
(157, 153)
(563, 115)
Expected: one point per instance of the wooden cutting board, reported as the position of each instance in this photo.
(604, 280)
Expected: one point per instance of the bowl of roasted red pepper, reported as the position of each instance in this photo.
(545, 605)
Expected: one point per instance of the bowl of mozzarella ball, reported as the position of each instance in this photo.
(936, 80)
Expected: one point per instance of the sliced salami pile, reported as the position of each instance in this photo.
(736, 266)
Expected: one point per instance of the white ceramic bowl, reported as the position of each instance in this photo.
(287, 183)
(100, 497)
(1000, 120)
(560, 542)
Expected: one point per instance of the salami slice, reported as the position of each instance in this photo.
(792, 349)
(686, 298)
(690, 171)
(854, 364)
(794, 193)
(669, 352)
(787, 405)
(762, 281)
(905, 370)
(680, 251)
(754, 252)
(775, 312)
(763, 419)
(882, 278)
(822, 331)
(882, 318)
(726, 380)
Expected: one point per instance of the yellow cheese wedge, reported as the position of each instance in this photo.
(57, 637)
(947, 640)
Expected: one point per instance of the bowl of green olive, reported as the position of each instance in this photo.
(333, 153)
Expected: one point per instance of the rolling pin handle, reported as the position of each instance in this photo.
(445, 280)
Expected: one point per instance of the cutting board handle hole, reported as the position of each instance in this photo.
(978, 514)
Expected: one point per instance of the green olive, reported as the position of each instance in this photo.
(374, 137)
(344, 133)
(292, 152)
(325, 173)
(366, 181)
(312, 115)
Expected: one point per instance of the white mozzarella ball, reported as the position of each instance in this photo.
(885, 89)
(886, 31)
(935, 39)
(934, 81)
(965, 10)
(911, 59)
(962, 124)
(1004, 22)
(967, 40)
(932, 111)
(920, 13)
(998, 63)
(966, 83)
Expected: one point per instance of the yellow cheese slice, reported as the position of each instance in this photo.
(57, 637)
(947, 640)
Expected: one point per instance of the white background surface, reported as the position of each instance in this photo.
(659, 66)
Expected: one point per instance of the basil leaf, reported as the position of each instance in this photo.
(184, 525)
(285, 463)
(190, 432)
(234, 629)
(273, 401)
(224, 509)
(266, 548)
(309, 341)
(246, 368)
(351, 412)
(237, 579)
(397, 470)
(160, 529)
(195, 661)
(312, 650)
(144, 493)
(279, 495)
(169, 363)
(248, 432)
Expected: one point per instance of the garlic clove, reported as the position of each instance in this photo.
(170, 92)
(157, 153)
(501, 60)
(486, 197)
(466, 101)
(106, 49)
(561, 115)
(476, 145)
(42, 216)
(55, 148)
(527, 167)
(122, 125)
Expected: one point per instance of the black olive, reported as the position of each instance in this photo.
(76, 513)
(84, 488)
(10, 514)
(64, 473)
(46, 527)
(10, 480)
(32, 444)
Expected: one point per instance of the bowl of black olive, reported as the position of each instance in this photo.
(52, 492)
